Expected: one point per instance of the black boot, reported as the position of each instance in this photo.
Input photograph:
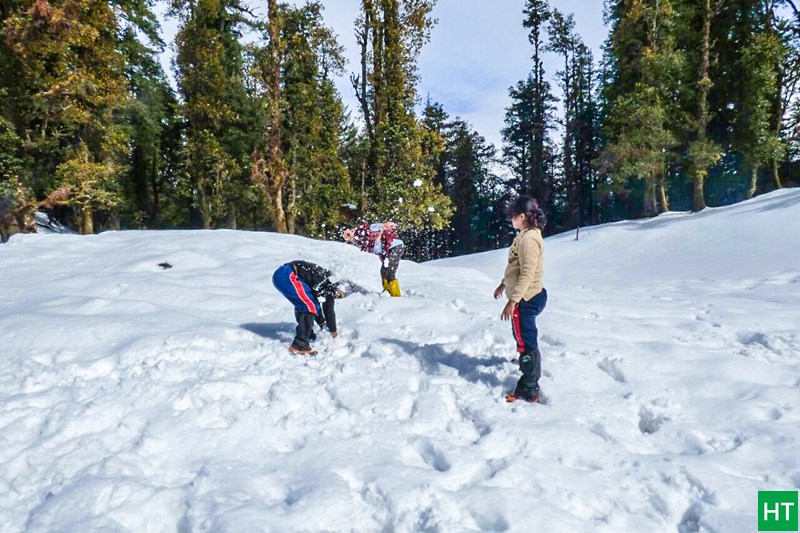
(304, 331)
(530, 364)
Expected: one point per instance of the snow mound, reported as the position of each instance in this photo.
(138, 398)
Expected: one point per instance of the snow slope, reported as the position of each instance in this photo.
(139, 399)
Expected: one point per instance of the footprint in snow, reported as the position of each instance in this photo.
(599, 429)
(407, 408)
(649, 421)
(691, 521)
(610, 367)
(457, 304)
(490, 520)
(424, 451)
(552, 341)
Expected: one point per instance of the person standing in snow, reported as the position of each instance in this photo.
(527, 297)
(382, 240)
(303, 283)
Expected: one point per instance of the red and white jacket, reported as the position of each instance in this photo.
(366, 238)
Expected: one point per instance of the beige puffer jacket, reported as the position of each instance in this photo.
(525, 270)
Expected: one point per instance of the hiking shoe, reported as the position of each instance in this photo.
(510, 398)
(298, 351)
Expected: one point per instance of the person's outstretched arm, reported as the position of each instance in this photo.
(330, 315)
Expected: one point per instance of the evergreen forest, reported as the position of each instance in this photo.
(693, 104)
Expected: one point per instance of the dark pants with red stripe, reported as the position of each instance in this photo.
(306, 306)
(526, 334)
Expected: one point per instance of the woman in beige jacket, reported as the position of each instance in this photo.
(522, 284)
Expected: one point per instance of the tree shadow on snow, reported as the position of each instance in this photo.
(468, 367)
(781, 201)
(279, 331)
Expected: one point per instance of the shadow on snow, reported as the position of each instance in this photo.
(470, 368)
(279, 331)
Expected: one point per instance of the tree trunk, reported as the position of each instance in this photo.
(569, 174)
(379, 89)
(364, 199)
(778, 103)
(699, 186)
(361, 85)
(276, 169)
(751, 191)
(155, 206)
(536, 181)
(202, 204)
(87, 221)
(704, 85)
(776, 177)
(280, 214)
(662, 194)
(291, 214)
(650, 198)
(369, 103)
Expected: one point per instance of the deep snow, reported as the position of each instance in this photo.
(139, 399)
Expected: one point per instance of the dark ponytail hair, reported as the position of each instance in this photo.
(533, 214)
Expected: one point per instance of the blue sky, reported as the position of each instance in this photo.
(478, 49)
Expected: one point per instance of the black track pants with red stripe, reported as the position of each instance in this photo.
(526, 334)
(306, 305)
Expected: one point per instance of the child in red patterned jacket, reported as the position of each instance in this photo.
(382, 240)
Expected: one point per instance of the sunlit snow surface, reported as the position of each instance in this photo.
(134, 398)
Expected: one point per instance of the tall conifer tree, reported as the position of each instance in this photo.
(210, 81)
(312, 121)
(68, 97)
(536, 14)
(398, 177)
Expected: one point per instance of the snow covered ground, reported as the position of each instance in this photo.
(134, 398)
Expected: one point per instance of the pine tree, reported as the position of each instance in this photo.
(778, 31)
(436, 121)
(152, 117)
(564, 42)
(218, 138)
(269, 169)
(586, 135)
(398, 179)
(759, 142)
(464, 168)
(12, 190)
(527, 147)
(789, 105)
(643, 113)
(312, 120)
(703, 151)
(468, 173)
(537, 14)
(642, 150)
(68, 96)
